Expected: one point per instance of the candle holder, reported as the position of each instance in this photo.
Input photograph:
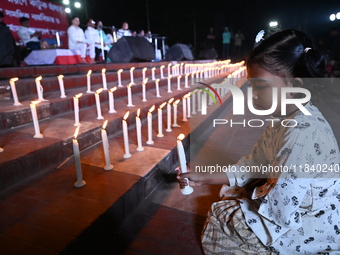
(119, 77)
(40, 89)
(76, 108)
(150, 141)
(104, 77)
(99, 110)
(168, 112)
(183, 163)
(160, 119)
(139, 132)
(111, 100)
(35, 119)
(14, 91)
(61, 85)
(126, 136)
(129, 93)
(105, 141)
(80, 182)
(175, 113)
(88, 76)
(157, 88)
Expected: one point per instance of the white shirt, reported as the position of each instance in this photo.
(121, 32)
(75, 34)
(92, 36)
(25, 35)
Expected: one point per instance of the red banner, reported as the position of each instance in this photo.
(44, 16)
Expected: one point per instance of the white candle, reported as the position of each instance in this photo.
(129, 96)
(114, 36)
(119, 78)
(161, 70)
(197, 76)
(126, 136)
(131, 75)
(204, 104)
(186, 81)
(61, 86)
(58, 39)
(201, 75)
(143, 72)
(199, 105)
(99, 110)
(35, 119)
(157, 88)
(168, 112)
(105, 141)
(192, 78)
(102, 46)
(169, 84)
(183, 163)
(169, 70)
(175, 113)
(184, 108)
(149, 141)
(14, 91)
(193, 102)
(39, 89)
(179, 82)
(139, 132)
(153, 73)
(144, 89)
(111, 100)
(181, 68)
(80, 182)
(104, 78)
(160, 120)
(76, 108)
(189, 105)
(88, 76)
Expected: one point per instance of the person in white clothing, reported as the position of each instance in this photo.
(124, 31)
(76, 38)
(28, 36)
(92, 39)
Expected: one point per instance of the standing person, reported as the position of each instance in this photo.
(28, 36)
(295, 210)
(226, 36)
(107, 43)
(210, 39)
(124, 31)
(93, 40)
(238, 39)
(76, 39)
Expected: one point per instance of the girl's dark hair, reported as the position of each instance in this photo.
(290, 54)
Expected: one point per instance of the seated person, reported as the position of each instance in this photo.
(124, 31)
(28, 36)
(92, 39)
(107, 42)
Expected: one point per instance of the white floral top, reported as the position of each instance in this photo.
(301, 213)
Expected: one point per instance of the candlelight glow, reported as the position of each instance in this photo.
(120, 70)
(154, 68)
(177, 101)
(105, 124)
(60, 76)
(180, 137)
(157, 80)
(144, 69)
(103, 70)
(126, 115)
(162, 105)
(170, 101)
(152, 108)
(130, 85)
(146, 80)
(89, 73)
(78, 95)
(169, 64)
(170, 76)
(179, 77)
(14, 79)
(35, 102)
(162, 66)
(138, 112)
(76, 132)
(99, 90)
(132, 68)
(113, 89)
(38, 78)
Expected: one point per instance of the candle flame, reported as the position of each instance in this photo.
(120, 70)
(14, 79)
(179, 77)
(103, 70)
(78, 95)
(89, 73)
(157, 80)
(162, 66)
(169, 64)
(38, 78)
(130, 85)
(132, 68)
(35, 102)
(126, 115)
(169, 76)
(105, 124)
(76, 132)
(144, 69)
(180, 137)
(170, 101)
(187, 74)
(177, 101)
(162, 105)
(113, 89)
(138, 112)
(182, 64)
(152, 108)
(146, 80)
(60, 76)
(154, 68)
(99, 90)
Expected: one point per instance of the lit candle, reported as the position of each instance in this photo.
(39, 89)
(201, 75)
(143, 72)
(126, 136)
(183, 163)
(58, 39)
(61, 86)
(153, 73)
(179, 82)
(189, 105)
(175, 113)
(139, 132)
(160, 118)
(119, 78)
(181, 68)
(199, 100)
(161, 70)
(184, 108)
(204, 104)
(169, 70)
(99, 110)
(104, 78)
(105, 141)
(157, 88)
(168, 112)
(193, 102)
(76, 108)
(114, 36)
(144, 89)
(35, 119)
(186, 81)
(14, 91)
(129, 96)
(169, 84)
(88, 76)
(192, 78)
(1, 149)
(111, 100)
(149, 141)
(80, 182)
(131, 75)
(197, 76)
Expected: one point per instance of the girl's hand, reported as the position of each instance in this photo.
(182, 181)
